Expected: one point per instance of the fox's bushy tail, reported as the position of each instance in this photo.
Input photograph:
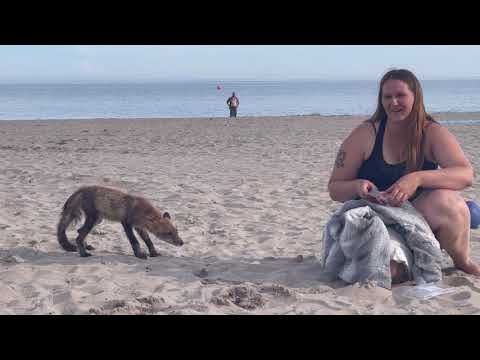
(71, 213)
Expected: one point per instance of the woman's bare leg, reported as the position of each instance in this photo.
(449, 218)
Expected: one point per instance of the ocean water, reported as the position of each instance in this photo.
(203, 99)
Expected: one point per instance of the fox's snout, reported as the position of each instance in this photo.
(178, 241)
(171, 238)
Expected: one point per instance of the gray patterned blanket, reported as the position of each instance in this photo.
(356, 244)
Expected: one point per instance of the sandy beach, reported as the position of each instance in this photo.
(249, 197)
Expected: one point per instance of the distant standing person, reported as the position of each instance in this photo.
(233, 103)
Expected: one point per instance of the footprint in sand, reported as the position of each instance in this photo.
(113, 304)
(253, 198)
(118, 248)
(262, 239)
(62, 297)
(267, 218)
(458, 281)
(464, 295)
(92, 289)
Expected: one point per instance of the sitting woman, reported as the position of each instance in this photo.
(406, 155)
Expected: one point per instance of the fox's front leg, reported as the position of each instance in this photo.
(137, 250)
(144, 235)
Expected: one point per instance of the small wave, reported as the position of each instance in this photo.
(465, 122)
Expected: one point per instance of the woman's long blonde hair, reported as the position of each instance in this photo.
(418, 116)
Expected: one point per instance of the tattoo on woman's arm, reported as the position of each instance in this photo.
(340, 160)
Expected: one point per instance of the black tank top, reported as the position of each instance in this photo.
(379, 172)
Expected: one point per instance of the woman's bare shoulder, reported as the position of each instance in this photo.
(430, 124)
(435, 130)
(364, 131)
(437, 139)
(361, 140)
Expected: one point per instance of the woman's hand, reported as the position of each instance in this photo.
(402, 189)
(364, 187)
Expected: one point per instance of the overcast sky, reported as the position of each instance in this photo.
(63, 63)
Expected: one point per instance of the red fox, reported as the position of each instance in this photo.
(97, 203)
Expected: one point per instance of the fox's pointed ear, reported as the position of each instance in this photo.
(166, 215)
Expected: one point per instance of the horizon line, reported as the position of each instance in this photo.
(214, 80)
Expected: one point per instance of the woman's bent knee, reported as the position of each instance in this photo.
(442, 207)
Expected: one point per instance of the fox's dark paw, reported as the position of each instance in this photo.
(89, 247)
(86, 254)
(141, 255)
(154, 254)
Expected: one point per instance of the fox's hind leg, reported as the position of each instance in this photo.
(137, 250)
(144, 235)
(83, 232)
(98, 221)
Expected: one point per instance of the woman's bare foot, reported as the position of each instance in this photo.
(469, 267)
